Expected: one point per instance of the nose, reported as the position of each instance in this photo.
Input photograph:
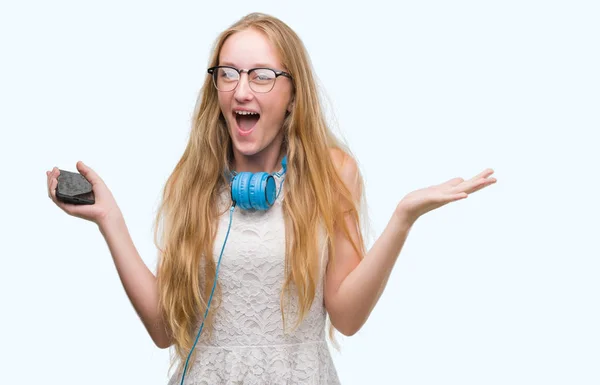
(243, 93)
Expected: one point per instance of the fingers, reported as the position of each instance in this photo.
(484, 174)
(52, 176)
(454, 181)
(53, 183)
(476, 183)
(459, 196)
(49, 176)
(482, 179)
(88, 173)
(483, 183)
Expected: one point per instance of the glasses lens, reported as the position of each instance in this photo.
(225, 79)
(262, 80)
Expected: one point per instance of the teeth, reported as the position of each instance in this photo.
(246, 113)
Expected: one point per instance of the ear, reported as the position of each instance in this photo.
(290, 106)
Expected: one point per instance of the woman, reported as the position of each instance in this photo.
(243, 289)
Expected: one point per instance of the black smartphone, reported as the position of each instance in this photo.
(74, 188)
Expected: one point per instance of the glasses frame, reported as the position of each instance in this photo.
(278, 73)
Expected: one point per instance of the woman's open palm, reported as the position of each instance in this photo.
(430, 198)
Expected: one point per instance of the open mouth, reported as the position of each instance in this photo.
(246, 121)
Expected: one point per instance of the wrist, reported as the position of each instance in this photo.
(109, 220)
(404, 216)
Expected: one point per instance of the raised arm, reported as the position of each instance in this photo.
(355, 284)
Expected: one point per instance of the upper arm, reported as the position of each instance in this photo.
(346, 258)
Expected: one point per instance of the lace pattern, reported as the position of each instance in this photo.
(248, 344)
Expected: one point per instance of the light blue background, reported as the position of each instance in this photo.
(500, 288)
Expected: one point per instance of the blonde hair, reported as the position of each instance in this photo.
(315, 195)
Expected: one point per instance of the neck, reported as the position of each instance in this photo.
(267, 160)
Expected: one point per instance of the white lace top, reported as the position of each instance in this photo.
(248, 345)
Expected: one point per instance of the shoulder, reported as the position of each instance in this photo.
(348, 170)
(349, 173)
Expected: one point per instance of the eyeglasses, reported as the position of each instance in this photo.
(262, 80)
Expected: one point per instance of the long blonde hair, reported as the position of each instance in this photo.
(315, 195)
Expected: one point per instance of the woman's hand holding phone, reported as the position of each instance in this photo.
(104, 206)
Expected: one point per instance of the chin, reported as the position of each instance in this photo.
(246, 152)
(246, 148)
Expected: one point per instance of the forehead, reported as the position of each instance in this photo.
(248, 49)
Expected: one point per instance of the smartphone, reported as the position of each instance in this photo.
(74, 188)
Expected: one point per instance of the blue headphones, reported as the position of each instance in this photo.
(249, 190)
(255, 190)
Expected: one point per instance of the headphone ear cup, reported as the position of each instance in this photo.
(262, 191)
(254, 193)
(270, 191)
(255, 190)
(239, 190)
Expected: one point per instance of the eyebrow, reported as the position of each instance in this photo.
(256, 65)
